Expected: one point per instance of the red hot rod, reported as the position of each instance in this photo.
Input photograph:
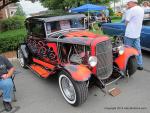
(61, 45)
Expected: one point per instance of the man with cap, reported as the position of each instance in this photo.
(134, 18)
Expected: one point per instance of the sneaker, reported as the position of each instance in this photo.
(7, 106)
(140, 68)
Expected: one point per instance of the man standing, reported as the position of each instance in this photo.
(134, 18)
(146, 6)
(6, 84)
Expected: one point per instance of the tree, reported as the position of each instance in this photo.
(60, 4)
(4, 3)
(67, 4)
(19, 11)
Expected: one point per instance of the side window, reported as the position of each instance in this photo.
(64, 24)
(27, 27)
(37, 28)
(55, 26)
(77, 23)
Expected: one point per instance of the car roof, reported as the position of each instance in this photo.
(49, 18)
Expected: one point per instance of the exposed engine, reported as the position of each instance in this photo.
(117, 41)
(118, 47)
(74, 53)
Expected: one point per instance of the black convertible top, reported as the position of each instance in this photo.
(48, 18)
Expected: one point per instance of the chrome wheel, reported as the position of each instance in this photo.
(67, 89)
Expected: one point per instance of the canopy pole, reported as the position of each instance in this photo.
(88, 19)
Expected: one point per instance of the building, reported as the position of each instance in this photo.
(8, 11)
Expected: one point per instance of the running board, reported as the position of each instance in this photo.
(39, 70)
(44, 64)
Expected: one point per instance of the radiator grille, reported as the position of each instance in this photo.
(105, 59)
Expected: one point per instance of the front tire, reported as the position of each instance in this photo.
(75, 93)
(131, 66)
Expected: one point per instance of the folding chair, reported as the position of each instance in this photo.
(14, 87)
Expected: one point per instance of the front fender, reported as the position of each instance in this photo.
(122, 60)
(78, 72)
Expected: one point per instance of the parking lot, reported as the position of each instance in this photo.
(36, 95)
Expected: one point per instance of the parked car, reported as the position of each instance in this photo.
(115, 29)
(61, 46)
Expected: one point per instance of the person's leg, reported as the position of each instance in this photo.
(7, 87)
(136, 44)
(128, 41)
(139, 57)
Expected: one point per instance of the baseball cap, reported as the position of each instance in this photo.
(131, 1)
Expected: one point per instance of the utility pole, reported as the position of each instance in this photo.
(87, 1)
(114, 6)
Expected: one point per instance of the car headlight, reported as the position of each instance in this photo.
(92, 61)
(121, 50)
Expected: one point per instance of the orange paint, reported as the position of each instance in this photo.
(121, 61)
(43, 63)
(42, 72)
(54, 46)
(78, 72)
(81, 34)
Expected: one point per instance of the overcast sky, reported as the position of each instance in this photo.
(29, 7)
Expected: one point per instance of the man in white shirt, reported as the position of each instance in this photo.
(134, 18)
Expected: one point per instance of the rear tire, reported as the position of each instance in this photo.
(21, 58)
(75, 93)
(131, 66)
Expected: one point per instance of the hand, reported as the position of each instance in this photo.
(4, 76)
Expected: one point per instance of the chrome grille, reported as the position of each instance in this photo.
(105, 59)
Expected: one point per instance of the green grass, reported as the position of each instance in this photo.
(116, 20)
(98, 31)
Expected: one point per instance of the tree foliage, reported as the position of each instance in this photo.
(4, 3)
(62, 4)
(67, 4)
(20, 11)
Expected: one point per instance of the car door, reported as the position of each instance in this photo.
(36, 39)
(145, 35)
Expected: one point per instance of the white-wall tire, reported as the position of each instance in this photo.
(78, 90)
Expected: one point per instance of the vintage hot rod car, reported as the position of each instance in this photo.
(60, 45)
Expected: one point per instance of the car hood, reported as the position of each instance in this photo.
(81, 37)
(113, 24)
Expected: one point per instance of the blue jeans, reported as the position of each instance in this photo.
(136, 44)
(7, 87)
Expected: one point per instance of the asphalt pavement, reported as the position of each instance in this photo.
(37, 95)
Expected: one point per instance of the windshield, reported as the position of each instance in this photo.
(65, 25)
